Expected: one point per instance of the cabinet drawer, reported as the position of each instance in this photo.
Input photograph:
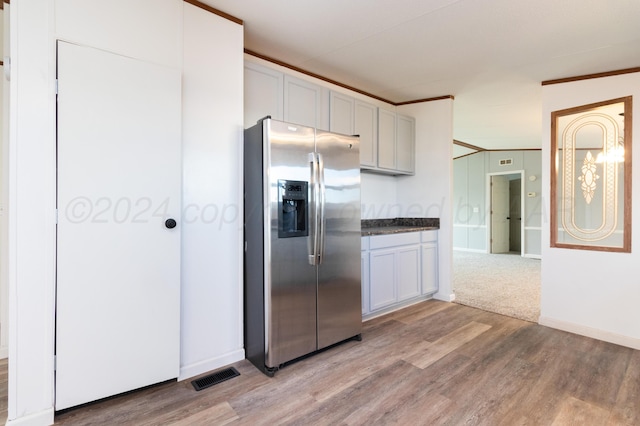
(428, 236)
(393, 240)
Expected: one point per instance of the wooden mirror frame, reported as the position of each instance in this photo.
(567, 202)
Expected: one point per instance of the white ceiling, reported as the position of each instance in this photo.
(491, 55)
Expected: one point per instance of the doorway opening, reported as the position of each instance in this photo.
(502, 279)
(506, 204)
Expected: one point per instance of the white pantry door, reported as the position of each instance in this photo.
(118, 263)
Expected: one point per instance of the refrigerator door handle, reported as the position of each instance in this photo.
(321, 216)
(312, 245)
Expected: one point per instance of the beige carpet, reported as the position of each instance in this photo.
(506, 284)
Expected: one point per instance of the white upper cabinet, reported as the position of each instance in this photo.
(366, 126)
(396, 143)
(351, 116)
(341, 113)
(263, 93)
(304, 103)
(405, 143)
(386, 139)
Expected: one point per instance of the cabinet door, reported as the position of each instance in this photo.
(366, 125)
(341, 113)
(382, 270)
(303, 103)
(429, 268)
(386, 139)
(263, 93)
(364, 271)
(405, 143)
(408, 275)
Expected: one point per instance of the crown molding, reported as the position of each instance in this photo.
(590, 76)
(212, 10)
(337, 83)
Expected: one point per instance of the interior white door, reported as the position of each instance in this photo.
(118, 261)
(499, 214)
(515, 213)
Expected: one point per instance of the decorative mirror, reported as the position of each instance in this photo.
(591, 176)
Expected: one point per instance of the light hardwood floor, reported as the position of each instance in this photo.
(430, 364)
(4, 378)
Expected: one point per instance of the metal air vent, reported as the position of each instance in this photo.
(215, 378)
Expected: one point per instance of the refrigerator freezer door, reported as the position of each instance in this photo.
(339, 288)
(290, 282)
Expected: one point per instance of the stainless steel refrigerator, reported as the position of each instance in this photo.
(302, 241)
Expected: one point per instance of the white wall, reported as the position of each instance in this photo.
(31, 212)
(429, 192)
(4, 193)
(470, 192)
(212, 328)
(150, 30)
(593, 293)
(378, 197)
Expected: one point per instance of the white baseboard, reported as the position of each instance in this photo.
(594, 333)
(532, 256)
(43, 418)
(395, 307)
(484, 251)
(445, 297)
(4, 352)
(192, 370)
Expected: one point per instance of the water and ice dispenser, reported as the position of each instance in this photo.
(293, 207)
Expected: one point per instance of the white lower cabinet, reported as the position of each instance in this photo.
(429, 247)
(397, 269)
(382, 278)
(364, 271)
(408, 273)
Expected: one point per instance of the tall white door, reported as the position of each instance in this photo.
(515, 223)
(118, 261)
(499, 214)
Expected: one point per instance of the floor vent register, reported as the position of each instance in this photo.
(215, 378)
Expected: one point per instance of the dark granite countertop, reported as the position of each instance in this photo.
(397, 225)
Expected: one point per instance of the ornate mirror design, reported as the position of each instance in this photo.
(591, 176)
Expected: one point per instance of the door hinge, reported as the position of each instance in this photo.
(55, 362)
(56, 86)
(56, 216)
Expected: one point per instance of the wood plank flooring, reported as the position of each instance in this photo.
(4, 379)
(433, 363)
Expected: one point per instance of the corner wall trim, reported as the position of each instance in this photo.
(37, 419)
(594, 333)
